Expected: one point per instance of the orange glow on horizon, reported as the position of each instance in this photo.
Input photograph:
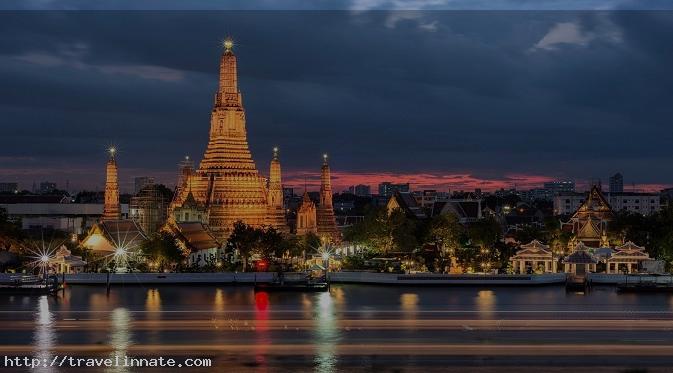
(443, 182)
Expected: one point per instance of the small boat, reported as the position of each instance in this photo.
(30, 285)
(300, 287)
(301, 282)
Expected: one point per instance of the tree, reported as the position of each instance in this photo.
(243, 239)
(270, 243)
(161, 249)
(446, 231)
(485, 233)
(385, 231)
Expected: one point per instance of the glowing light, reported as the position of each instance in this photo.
(44, 259)
(325, 256)
(120, 251)
(228, 44)
(112, 150)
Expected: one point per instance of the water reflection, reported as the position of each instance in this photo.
(409, 303)
(45, 336)
(261, 328)
(120, 338)
(153, 302)
(153, 306)
(486, 303)
(218, 301)
(326, 333)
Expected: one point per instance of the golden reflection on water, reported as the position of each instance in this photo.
(45, 336)
(339, 297)
(409, 305)
(100, 301)
(307, 305)
(120, 337)
(326, 333)
(153, 302)
(486, 303)
(218, 302)
(153, 306)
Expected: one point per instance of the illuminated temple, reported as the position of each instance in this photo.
(227, 183)
(589, 223)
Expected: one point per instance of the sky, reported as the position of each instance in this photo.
(438, 94)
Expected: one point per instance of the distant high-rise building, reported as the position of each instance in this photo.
(387, 188)
(616, 183)
(555, 187)
(141, 182)
(288, 192)
(360, 190)
(9, 187)
(47, 187)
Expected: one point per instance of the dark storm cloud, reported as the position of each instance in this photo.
(577, 94)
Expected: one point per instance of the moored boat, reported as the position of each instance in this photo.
(302, 282)
(30, 285)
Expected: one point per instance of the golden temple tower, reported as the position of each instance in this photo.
(111, 209)
(276, 213)
(227, 181)
(327, 228)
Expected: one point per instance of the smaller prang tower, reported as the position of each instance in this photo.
(327, 228)
(111, 209)
(276, 210)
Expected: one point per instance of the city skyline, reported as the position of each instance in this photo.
(433, 87)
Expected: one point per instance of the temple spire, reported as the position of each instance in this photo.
(228, 94)
(275, 187)
(111, 208)
(325, 184)
(327, 228)
(276, 210)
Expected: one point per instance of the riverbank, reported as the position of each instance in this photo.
(371, 278)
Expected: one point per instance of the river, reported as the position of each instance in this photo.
(351, 328)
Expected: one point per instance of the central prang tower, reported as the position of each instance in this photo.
(227, 182)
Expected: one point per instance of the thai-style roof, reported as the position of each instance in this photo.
(595, 205)
(580, 246)
(535, 245)
(580, 257)
(196, 236)
(590, 229)
(106, 236)
(407, 203)
(463, 209)
(630, 250)
(534, 248)
(190, 201)
(63, 255)
(630, 246)
(306, 203)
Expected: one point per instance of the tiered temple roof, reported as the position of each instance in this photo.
(589, 223)
(227, 181)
